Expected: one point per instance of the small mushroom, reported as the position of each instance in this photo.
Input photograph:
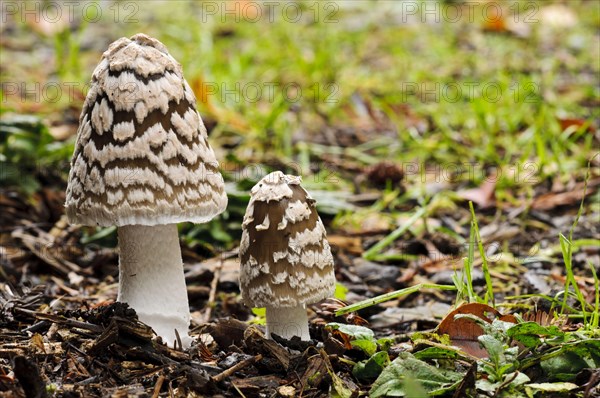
(142, 162)
(286, 261)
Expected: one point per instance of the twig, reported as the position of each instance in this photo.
(505, 384)
(171, 392)
(591, 384)
(89, 380)
(94, 360)
(238, 390)
(213, 292)
(388, 240)
(178, 345)
(36, 326)
(59, 319)
(158, 386)
(43, 247)
(60, 284)
(228, 372)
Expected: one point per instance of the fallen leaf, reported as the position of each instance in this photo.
(37, 341)
(552, 200)
(544, 318)
(228, 331)
(494, 21)
(464, 332)
(345, 388)
(315, 372)
(566, 123)
(349, 244)
(483, 196)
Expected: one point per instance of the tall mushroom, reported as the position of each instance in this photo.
(286, 261)
(142, 162)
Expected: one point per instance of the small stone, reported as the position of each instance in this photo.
(286, 392)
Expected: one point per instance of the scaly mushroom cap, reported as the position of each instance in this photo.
(142, 155)
(285, 258)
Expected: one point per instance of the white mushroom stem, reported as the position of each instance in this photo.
(151, 279)
(288, 322)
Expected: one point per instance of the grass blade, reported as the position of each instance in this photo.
(388, 240)
(489, 293)
(390, 296)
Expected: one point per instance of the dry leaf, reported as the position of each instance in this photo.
(349, 244)
(37, 341)
(552, 200)
(464, 332)
(565, 123)
(495, 21)
(483, 196)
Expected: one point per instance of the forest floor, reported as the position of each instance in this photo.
(398, 123)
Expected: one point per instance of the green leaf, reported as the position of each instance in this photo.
(371, 368)
(502, 357)
(534, 328)
(528, 333)
(508, 382)
(260, 316)
(486, 385)
(528, 340)
(362, 338)
(385, 343)
(100, 233)
(430, 337)
(392, 381)
(219, 234)
(564, 367)
(589, 348)
(516, 380)
(414, 389)
(340, 291)
(357, 332)
(368, 346)
(494, 347)
(436, 353)
(28, 150)
(340, 386)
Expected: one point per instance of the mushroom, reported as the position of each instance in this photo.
(286, 261)
(142, 163)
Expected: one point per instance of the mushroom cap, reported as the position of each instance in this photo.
(142, 155)
(285, 258)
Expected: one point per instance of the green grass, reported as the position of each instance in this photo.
(380, 63)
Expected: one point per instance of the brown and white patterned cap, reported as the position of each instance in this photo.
(142, 155)
(285, 258)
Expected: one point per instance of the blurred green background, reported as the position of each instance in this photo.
(454, 94)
